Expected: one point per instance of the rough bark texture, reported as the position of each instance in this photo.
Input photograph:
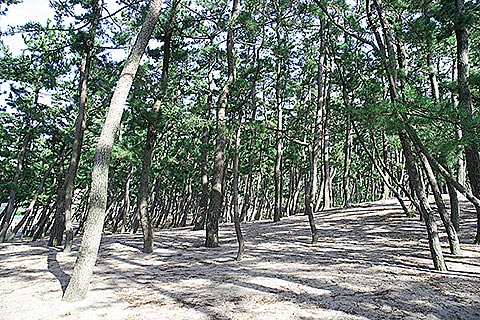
(83, 270)
(216, 195)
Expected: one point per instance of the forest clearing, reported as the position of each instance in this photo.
(371, 262)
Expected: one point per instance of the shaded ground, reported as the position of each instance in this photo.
(371, 263)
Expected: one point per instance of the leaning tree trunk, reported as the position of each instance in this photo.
(80, 124)
(387, 53)
(449, 227)
(426, 211)
(83, 270)
(465, 104)
(31, 206)
(217, 193)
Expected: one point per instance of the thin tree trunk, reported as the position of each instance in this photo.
(80, 124)
(426, 211)
(327, 185)
(143, 188)
(465, 104)
(200, 223)
(31, 206)
(381, 169)
(83, 270)
(451, 232)
(216, 195)
(236, 206)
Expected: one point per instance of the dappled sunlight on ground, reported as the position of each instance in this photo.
(371, 262)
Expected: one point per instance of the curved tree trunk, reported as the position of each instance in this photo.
(83, 270)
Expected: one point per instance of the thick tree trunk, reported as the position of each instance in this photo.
(7, 217)
(83, 270)
(217, 193)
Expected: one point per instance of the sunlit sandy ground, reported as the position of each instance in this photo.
(371, 262)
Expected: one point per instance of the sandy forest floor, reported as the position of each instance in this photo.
(371, 263)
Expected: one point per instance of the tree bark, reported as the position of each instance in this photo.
(236, 205)
(451, 232)
(217, 193)
(277, 175)
(426, 211)
(200, 223)
(327, 178)
(318, 130)
(83, 270)
(143, 188)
